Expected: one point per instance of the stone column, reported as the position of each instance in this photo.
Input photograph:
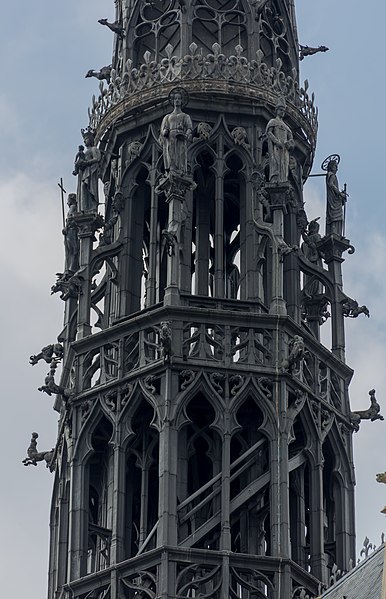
(88, 224)
(278, 194)
(333, 247)
(175, 188)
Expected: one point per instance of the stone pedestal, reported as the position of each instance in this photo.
(174, 187)
(278, 194)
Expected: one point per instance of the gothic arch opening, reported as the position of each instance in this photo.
(220, 22)
(199, 477)
(99, 498)
(141, 483)
(249, 487)
(157, 25)
(299, 495)
(138, 224)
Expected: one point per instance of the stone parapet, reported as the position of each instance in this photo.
(214, 72)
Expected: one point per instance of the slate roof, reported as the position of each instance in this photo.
(362, 582)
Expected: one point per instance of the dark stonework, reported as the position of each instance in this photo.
(201, 420)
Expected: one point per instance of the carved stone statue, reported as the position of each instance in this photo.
(54, 351)
(240, 137)
(372, 413)
(170, 241)
(71, 239)
(133, 151)
(311, 237)
(296, 355)
(34, 456)
(204, 131)
(335, 200)
(88, 168)
(176, 133)
(79, 158)
(165, 338)
(280, 143)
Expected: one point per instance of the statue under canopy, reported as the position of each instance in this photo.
(87, 165)
(335, 200)
(71, 239)
(280, 143)
(176, 132)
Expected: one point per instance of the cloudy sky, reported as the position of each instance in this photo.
(45, 49)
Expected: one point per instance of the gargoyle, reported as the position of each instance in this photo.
(104, 73)
(381, 477)
(372, 413)
(115, 27)
(296, 355)
(351, 309)
(50, 387)
(284, 249)
(309, 50)
(34, 456)
(67, 285)
(48, 353)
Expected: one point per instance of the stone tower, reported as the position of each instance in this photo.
(205, 435)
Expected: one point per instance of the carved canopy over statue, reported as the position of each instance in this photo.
(176, 133)
(280, 143)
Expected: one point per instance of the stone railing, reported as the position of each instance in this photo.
(236, 69)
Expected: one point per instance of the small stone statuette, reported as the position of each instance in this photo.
(296, 354)
(176, 133)
(79, 158)
(311, 238)
(203, 132)
(165, 337)
(280, 144)
(240, 137)
(170, 242)
(34, 456)
(372, 413)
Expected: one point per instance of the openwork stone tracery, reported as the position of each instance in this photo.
(204, 442)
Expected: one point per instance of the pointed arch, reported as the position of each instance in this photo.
(220, 22)
(200, 385)
(141, 484)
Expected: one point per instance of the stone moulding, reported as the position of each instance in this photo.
(133, 87)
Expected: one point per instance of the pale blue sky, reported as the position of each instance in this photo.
(45, 49)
